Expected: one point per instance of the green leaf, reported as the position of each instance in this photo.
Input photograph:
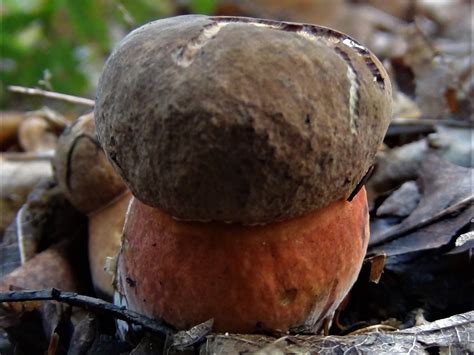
(203, 6)
(11, 23)
(22, 6)
(88, 22)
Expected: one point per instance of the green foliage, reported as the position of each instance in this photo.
(202, 6)
(61, 44)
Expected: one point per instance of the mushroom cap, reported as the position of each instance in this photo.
(241, 120)
(82, 170)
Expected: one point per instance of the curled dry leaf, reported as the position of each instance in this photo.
(444, 186)
(377, 264)
(36, 134)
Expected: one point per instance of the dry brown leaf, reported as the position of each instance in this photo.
(454, 333)
(9, 123)
(377, 264)
(36, 134)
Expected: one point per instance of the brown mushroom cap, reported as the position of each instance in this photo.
(83, 173)
(238, 119)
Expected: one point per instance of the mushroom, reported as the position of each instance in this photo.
(105, 236)
(92, 186)
(83, 173)
(241, 140)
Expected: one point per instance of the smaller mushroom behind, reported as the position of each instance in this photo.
(105, 237)
(82, 170)
(91, 185)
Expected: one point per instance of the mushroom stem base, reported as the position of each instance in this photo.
(280, 276)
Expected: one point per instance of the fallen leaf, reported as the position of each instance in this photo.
(186, 338)
(429, 226)
(377, 264)
(454, 332)
(401, 202)
(85, 332)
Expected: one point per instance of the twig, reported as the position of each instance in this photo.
(427, 41)
(28, 156)
(127, 17)
(403, 121)
(89, 303)
(52, 95)
(372, 328)
(394, 234)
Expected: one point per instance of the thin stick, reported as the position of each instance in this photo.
(89, 303)
(28, 156)
(404, 121)
(375, 327)
(52, 95)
